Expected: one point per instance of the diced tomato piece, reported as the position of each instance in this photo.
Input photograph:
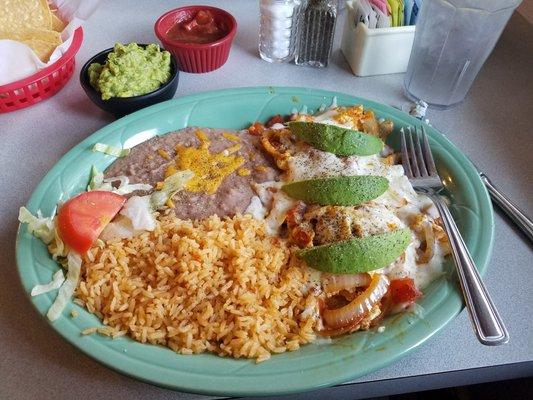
(276, 119)
(295, 215)
(256, 129)
(204, 17)
(403, 291)
(82, 218)
(302, 237)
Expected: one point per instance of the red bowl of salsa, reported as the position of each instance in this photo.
(200, 37)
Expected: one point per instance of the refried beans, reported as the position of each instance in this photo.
(148, 162)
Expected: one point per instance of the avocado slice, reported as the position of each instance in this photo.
(336, 140)
(338, 190)
(358, 255)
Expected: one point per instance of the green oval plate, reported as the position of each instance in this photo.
(313, 366)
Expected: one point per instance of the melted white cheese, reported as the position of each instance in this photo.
(326, 117)
(396, 206)
(375, 218)
(281, 204)
(256, 209)
(266, 190)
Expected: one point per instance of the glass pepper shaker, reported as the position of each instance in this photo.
(278, 29)
(316, 32)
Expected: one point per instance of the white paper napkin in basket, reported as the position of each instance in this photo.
(18, 61)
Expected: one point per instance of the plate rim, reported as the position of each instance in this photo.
(454, 301)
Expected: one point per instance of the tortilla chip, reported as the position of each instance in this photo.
(45, 35)
(57, 24)
(18, 14)
(42, 48)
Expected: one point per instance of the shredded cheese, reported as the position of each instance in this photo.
(243, 172)
(232, 137)
(234, 149)
(163, 153)
(350, 114)
(171, 170)
(209, 168)
(204, 140)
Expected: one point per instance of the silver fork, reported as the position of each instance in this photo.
(419, 167)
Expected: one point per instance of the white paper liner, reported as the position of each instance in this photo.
(18, 61)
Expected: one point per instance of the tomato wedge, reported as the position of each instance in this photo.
(403, 291)
(82, 218)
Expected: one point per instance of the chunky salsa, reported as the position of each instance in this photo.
(131, 70)
(202, 28)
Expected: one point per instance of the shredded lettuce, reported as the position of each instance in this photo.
(171, 185)
(135, 218)
(138, 210)
(55, 283)
(417, 310)
(98, 182)
(132, 187)
(97, 179)
(111, 150)
(120, 228)
(57, 247)
(40, 227)
(67, 288)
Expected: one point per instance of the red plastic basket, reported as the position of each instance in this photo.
(43, 84)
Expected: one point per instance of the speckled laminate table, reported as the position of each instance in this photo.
(492, 127)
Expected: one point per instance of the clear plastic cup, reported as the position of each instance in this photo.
(453, 39)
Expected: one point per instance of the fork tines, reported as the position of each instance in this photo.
(417, 159)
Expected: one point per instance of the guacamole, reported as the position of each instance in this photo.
(130, 70)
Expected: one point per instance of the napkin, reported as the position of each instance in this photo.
(408, 8)
(414, 13)
(363, 12)
(18, 61)
(381, 5)
(394, 6)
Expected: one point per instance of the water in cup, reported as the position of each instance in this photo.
(452, 41)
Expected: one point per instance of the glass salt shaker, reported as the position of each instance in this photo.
(278, 29)
(316, 32)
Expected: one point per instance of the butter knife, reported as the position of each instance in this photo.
(512, 211)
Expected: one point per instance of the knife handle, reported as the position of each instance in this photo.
(516, 215)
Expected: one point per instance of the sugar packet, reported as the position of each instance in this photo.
(393, 4)
(380, 5)
(417, 4)
(407, 9)
(383, 20)
(400, 13)
(365, 14)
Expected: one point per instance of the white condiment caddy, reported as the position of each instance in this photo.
(375, 51)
